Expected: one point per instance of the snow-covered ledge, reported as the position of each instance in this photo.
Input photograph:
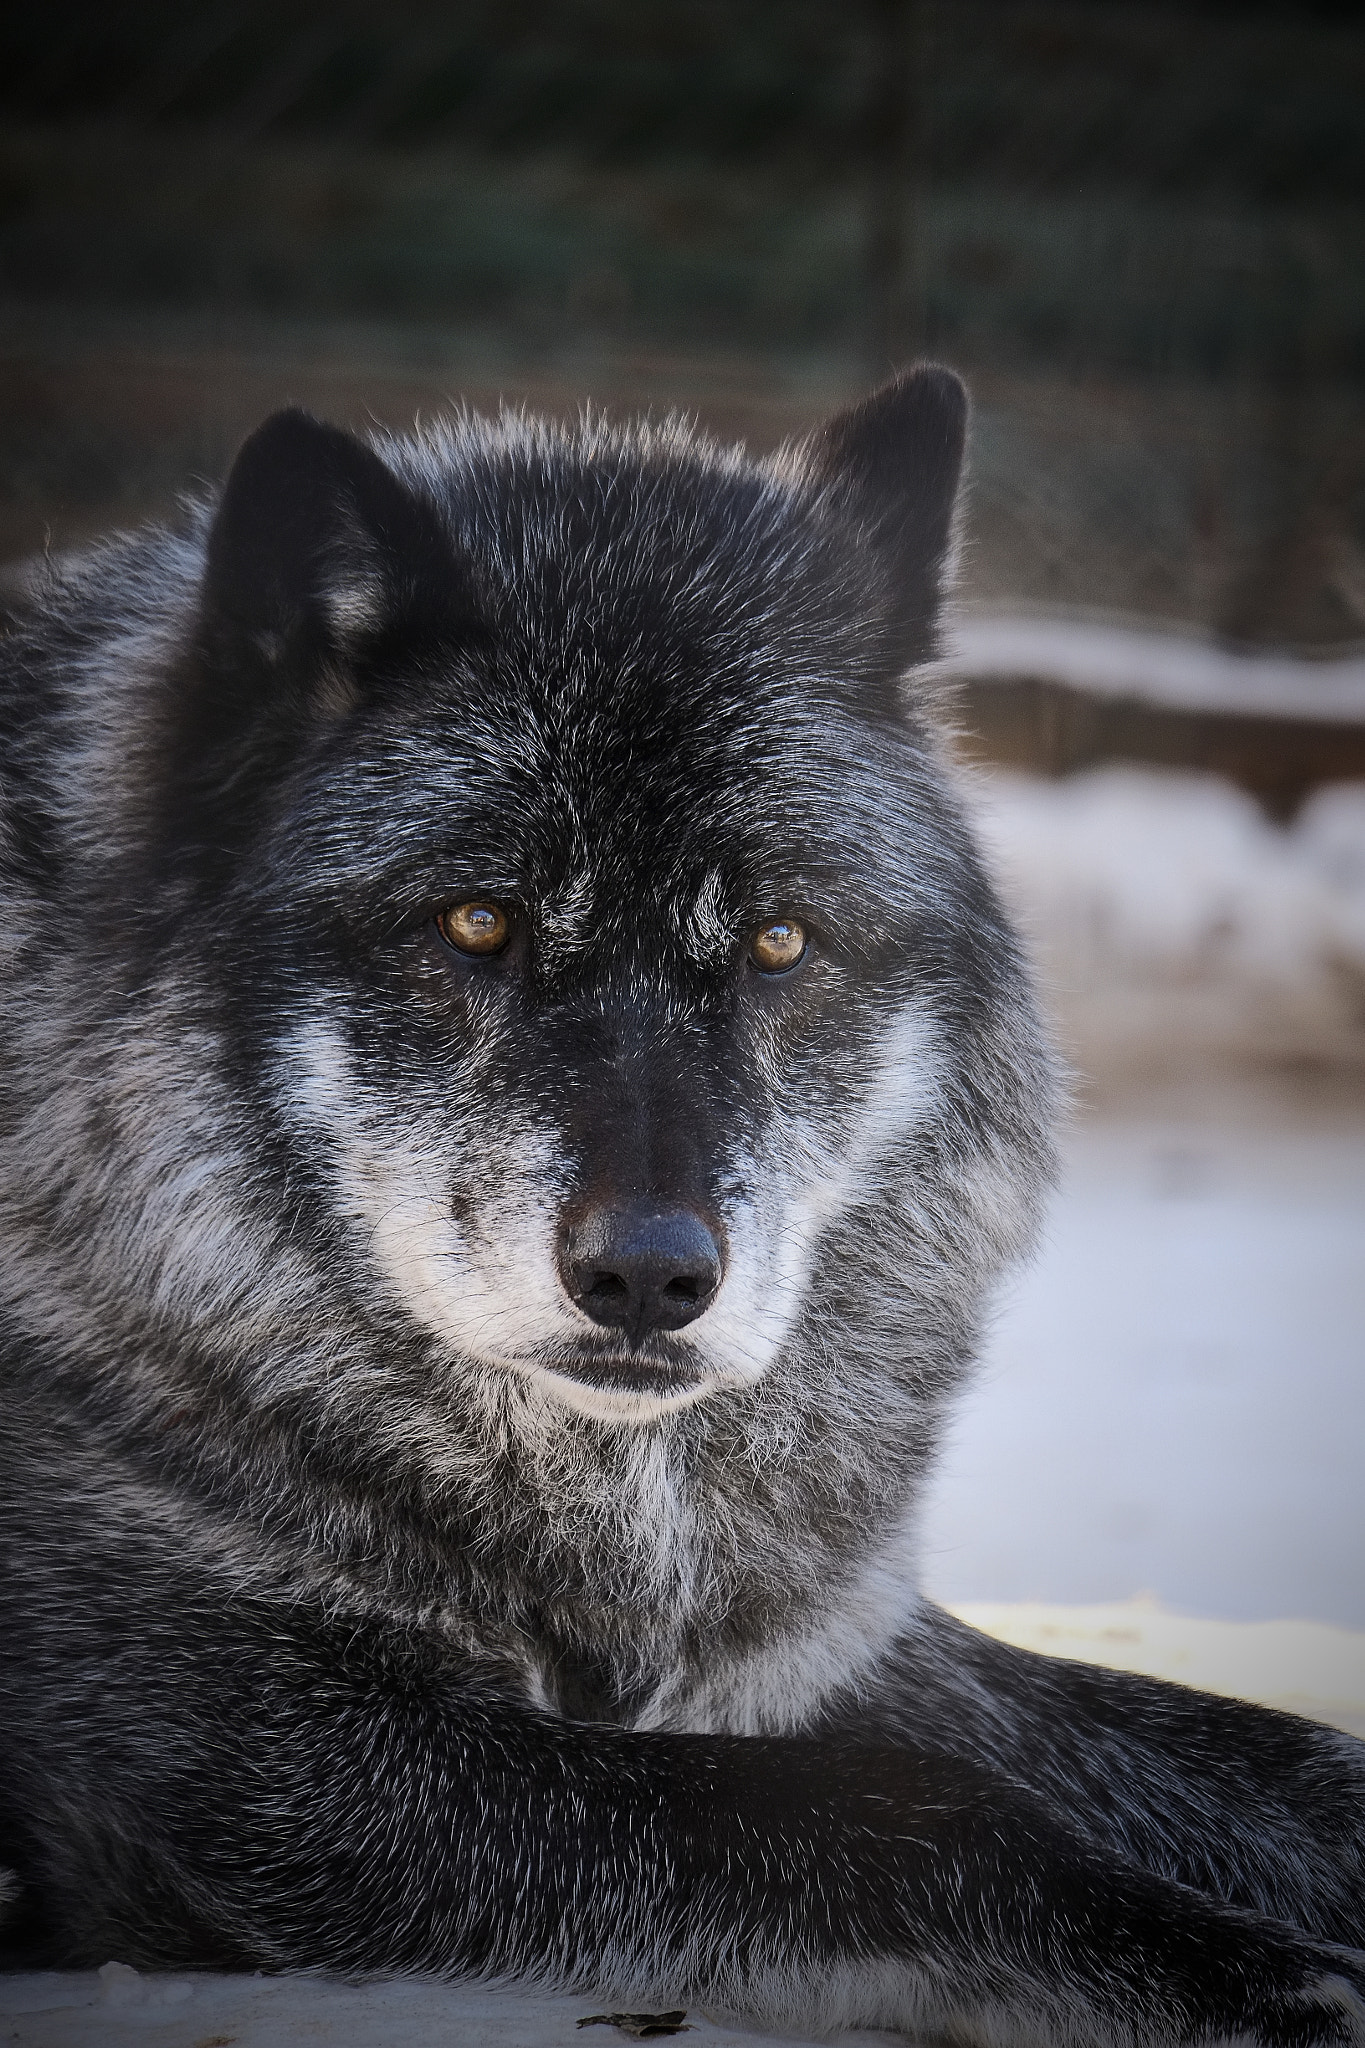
(114, 2006)
(1169, 668)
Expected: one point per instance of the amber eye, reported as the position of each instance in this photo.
(474, 927)
(778, 946)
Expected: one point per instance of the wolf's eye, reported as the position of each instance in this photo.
(778, 946)
(474, 927)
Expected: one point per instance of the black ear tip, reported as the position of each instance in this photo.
(937, 379)
(290, 423)
(914, 423)
(892, 462)
(927, 403)
(934, 389)
(289, 441)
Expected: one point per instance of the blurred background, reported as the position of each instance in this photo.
(1139, 231)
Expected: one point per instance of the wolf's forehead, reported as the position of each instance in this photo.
(665, 804)
(593, 904)
(628, 761)
(626, 851)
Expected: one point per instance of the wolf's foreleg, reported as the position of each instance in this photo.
(1262, 1809)
(317, 1794)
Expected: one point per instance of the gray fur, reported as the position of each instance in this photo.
(367, 1606)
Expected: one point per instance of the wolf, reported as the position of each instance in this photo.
(516, 1093)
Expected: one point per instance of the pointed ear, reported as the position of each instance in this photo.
(892, 462)
(317, 549)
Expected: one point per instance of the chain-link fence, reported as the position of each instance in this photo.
(1141, 230)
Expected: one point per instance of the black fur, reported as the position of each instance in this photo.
(368, 1600)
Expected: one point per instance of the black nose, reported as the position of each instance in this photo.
(640, 1269)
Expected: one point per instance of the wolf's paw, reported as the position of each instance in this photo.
(1340, 1994)
(1278, 1993)
(1329, 2009)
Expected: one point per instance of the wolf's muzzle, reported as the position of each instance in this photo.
(640, 1269)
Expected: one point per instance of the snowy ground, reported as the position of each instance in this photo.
(1173, 1399)
(115, 2007)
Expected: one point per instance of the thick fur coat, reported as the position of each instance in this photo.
(476, 1312)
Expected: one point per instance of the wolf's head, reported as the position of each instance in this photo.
(559, 797)
(509, 938)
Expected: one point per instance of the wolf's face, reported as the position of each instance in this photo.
(504, 944)
(620, 934)
(555, 797)
(624, 997)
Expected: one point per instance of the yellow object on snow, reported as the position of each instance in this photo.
(1304, 1667)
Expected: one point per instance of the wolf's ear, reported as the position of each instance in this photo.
(317, 548)
(893, 462)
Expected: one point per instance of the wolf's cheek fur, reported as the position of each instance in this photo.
(488, 1290)
(476, 1266)
(811, 1170)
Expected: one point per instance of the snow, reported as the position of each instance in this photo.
(1167, 668)
(117, 2005)
(1166, 911)
(1302, 1667)
(1172, 1398)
